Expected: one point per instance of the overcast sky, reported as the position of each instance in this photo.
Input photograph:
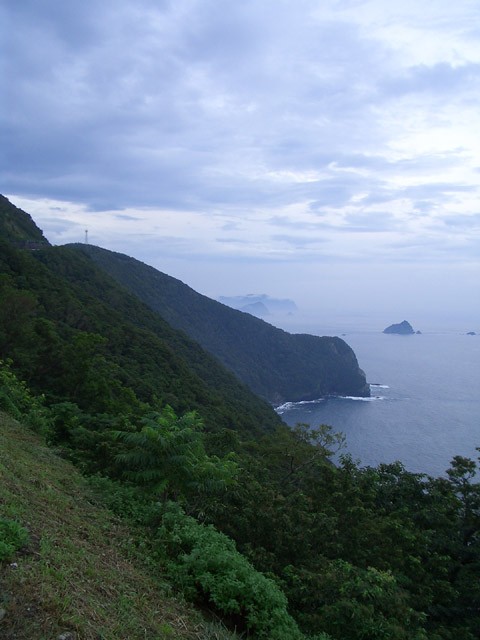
(322, 150)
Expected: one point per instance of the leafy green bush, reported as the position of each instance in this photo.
(168, 457)
(370, 597)
(127, 501)
(12, 537)
(16, 399)
(204, 563)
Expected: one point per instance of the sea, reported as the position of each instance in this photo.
(424, 407)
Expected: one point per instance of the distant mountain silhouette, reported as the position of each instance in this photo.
(257, 309)
(251, 301)
(276, 365)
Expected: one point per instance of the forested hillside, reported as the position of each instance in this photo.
(17, 226)
(77, 335)
(275, 364)
(244, 517)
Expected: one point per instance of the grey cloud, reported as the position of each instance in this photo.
(423, 207)
(72, 22)
(436, 189)
(139, 124)
(222, 38)
(203, 106)
(123, 216)
(338, 190)
(358, 222)
(58, 226)
(377, 222)
(284, 221)
(442, 78)
(463, 221)
(423, 196)
(290, 223)
(298, 241)
(360, 160)
(124, 104)
(230, 226)
(231, 241)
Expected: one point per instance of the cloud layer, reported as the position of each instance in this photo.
(294, 131)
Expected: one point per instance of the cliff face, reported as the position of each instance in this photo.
(276, 365)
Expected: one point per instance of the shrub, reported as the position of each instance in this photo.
(16, 400)
(204, 563)
(12, 537)
(127, 501)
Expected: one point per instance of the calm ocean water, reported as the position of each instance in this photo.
(425, 405)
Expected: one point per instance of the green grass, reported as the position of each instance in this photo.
(79, 570)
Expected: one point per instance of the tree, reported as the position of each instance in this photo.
(168, 457)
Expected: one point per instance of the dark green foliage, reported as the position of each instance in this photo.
(12, 538)
(17, 227)
(168, 457)
(275, 364)
(127, 500)
(106, 351)
(205, 564)
(17, 400)
(352, 603)
(380, 522)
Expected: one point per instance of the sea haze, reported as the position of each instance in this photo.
(425, 403)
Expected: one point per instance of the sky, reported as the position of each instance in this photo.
(326, 151)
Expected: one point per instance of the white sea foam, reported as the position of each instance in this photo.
(361, 399)
(379, 386)
(289, 405)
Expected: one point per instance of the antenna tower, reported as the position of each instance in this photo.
(86, 236)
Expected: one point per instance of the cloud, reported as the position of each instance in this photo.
(151, 109)
(463, 221)
(247, 130)
(298, 241)
(442, 79)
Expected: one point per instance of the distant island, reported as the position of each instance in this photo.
(403, 328)
(259, 304)
(257, 309)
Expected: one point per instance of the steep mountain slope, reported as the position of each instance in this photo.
(17, 226)
(275, 364)
(74, 334)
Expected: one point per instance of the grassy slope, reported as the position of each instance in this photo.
(78, 572)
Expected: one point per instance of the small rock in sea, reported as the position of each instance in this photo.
(403, 328)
